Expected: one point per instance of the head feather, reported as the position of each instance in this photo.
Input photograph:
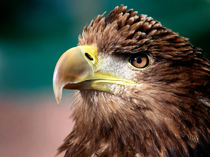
(125, 31)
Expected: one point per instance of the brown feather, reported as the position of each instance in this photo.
(167, 116)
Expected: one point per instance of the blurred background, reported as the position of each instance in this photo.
(33, 35)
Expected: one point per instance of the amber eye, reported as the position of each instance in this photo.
(139, 61)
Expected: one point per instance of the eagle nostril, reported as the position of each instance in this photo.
(89, 56)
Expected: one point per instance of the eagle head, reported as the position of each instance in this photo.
(142, 90)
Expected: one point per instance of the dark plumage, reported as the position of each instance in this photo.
(166, 115)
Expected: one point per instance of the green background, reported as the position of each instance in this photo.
(34, 33)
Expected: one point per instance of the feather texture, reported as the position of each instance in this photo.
(167, 116)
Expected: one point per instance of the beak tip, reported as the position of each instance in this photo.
(58, 96)
(58, 93)
(58, 100)
(57, 86)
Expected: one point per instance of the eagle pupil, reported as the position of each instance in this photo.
(138, 59)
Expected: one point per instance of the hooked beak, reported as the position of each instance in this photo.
(76, 70)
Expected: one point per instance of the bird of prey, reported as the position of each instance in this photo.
(141, 90)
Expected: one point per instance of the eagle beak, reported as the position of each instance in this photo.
(73, 67)
(76, 70)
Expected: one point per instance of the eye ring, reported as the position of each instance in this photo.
(139, 61)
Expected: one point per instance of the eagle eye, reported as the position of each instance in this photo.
(139, 61)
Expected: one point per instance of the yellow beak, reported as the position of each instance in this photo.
(76, 70)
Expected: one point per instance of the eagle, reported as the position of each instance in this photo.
(141, 90)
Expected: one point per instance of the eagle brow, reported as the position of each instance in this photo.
(127, 54)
